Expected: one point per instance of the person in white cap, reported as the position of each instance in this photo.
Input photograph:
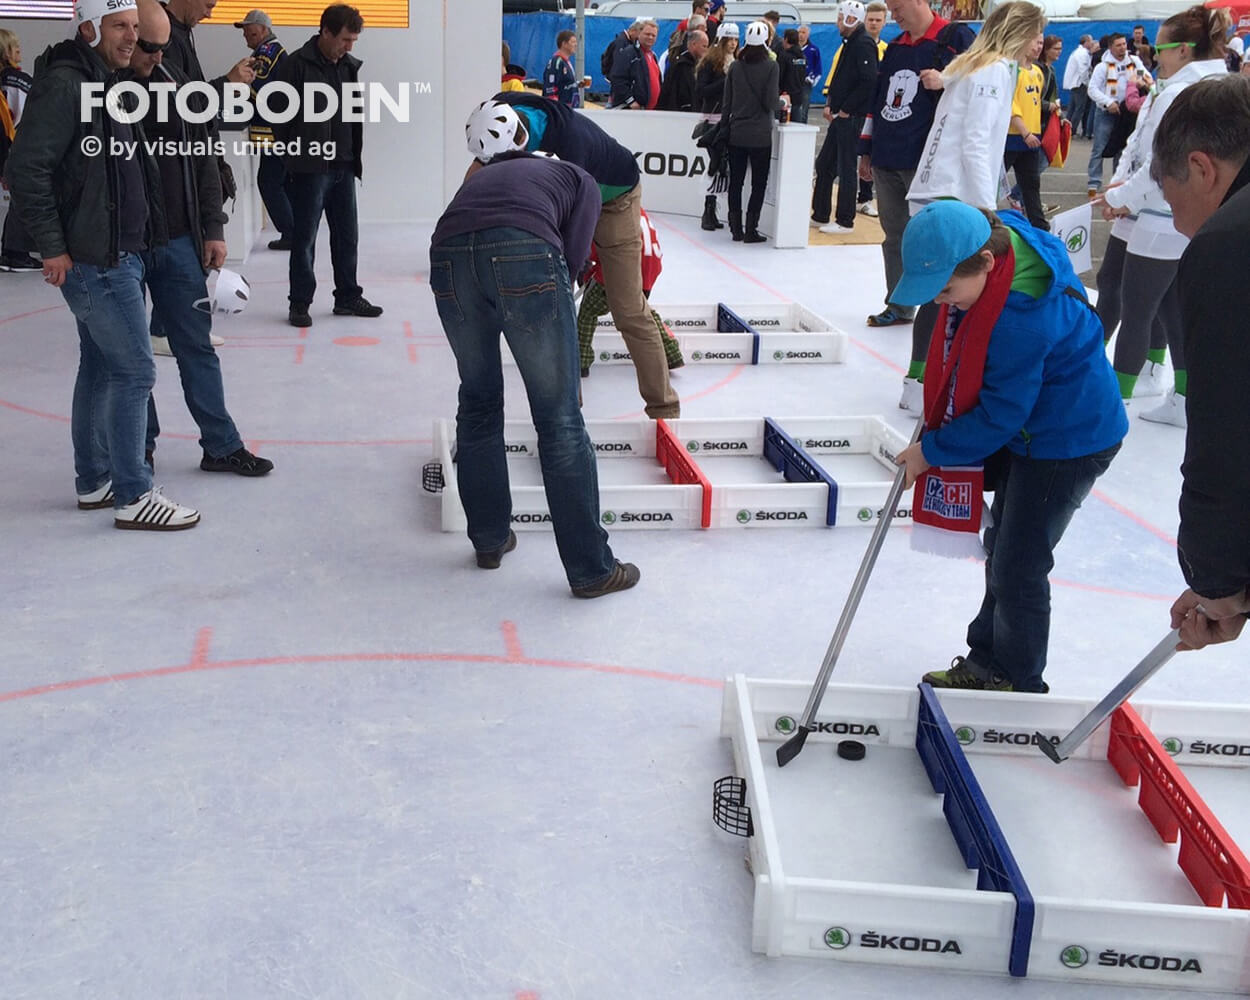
(267, 56)
(89, 217)
(752, 99)
(851, 90)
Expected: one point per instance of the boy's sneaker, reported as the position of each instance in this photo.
(97, 499)
(889, 316)
(867, 208)
(20, 262)
(960, 675)
(359, 306)
(622, 577)
(491, 558)
(242, 462)
(155, 512)
(1170, 411)
(1152, 381)
(834, 229)
(912, 399)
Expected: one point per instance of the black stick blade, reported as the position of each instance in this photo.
(792, 747)
(1048, 748)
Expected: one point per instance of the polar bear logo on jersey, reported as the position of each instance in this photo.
(899, 94)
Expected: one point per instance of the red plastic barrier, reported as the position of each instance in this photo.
(680, 466)
(1209, 857)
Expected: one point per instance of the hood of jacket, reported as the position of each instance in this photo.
(75, 56)
(1192, 72)
(1054, 255)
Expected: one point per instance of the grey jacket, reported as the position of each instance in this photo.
(751, 100)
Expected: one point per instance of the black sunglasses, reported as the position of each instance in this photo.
(152, 48)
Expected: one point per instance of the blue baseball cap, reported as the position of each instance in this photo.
(938, 237)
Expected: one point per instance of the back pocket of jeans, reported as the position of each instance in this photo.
(444, 289)
(527, 288)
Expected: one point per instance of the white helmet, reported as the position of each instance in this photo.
(95, 11)
(757, 33)
(852, 12)
(228, 292)
(727, 30)
(492, 129)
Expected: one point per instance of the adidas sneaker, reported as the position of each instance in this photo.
(97, 499)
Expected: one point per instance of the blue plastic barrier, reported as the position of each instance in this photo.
(728, 321)
(789, 458)
(972, 822)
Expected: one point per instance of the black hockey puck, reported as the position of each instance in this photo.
(851, 750)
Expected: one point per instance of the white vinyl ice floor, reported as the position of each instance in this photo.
(307, 749)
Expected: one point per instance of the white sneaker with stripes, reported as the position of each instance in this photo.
(155, 512)
(97, 499)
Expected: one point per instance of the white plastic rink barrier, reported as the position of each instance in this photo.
(852, 861)
(689, 473)
(716, 333)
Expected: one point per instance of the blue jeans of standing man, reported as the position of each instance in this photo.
(271, 182)
(507, 280)
(115, 376)
(176, 282)
(1104, 125)
(1033, 503)
(334, 193)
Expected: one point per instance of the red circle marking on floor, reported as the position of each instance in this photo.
(357, 341)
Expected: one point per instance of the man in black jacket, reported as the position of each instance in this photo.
(1201, 163)
(184, 15)
(80, 189)
(850, 99)
(677, 92)
(322, 172)
(793, 65)
(190, 197)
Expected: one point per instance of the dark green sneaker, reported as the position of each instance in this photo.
(961, 675)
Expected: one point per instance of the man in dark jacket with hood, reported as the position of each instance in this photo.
(190, 196)
(850, 99)
(678, 90)
(1201, 163)
(322, 172)
(90, 219)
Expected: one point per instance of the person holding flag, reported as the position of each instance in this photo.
(1019, 382)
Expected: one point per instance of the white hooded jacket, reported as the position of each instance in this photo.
(1153, 235)
(963, 155)
(1106, 84)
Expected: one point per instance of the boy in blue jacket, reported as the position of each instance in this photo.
(1027, 381)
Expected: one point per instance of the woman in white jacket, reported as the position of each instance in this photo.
(1189, 47)
(963, 156)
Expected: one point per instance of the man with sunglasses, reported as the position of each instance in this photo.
(91, 220)
(190, 199)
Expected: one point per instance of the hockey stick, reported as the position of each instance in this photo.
(792, 747)
(1135, 678)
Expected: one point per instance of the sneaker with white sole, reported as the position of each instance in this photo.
(160, 346)
(833, 229)
(155, 512)
(1152, 381)
(867, 208)
(1170, 411)
(97, 499)
(215, 340)
(913, 396)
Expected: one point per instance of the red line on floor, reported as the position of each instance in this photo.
(26, 315)
(412, 354)
(738, 370)
(199, 653)
(511, 641)
(271, 661)
(729, 264)
(299, 354)
(407, 329)
(34, 413)
(527, 995)
(1113, 591)
(880, 357)
(1137, 519)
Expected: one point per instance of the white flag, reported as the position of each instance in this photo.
(1073, 227)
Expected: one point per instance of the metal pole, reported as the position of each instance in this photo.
(580, 28)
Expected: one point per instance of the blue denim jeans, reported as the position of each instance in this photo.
(175, 280)
(115, 377)
(271, 182)
(1033, 504)
(507, 280)
(333, 193)
(1104, 125)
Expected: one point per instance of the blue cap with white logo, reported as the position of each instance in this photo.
(938, 238)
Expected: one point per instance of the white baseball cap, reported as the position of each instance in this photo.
(96, 11)
(852, 12)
